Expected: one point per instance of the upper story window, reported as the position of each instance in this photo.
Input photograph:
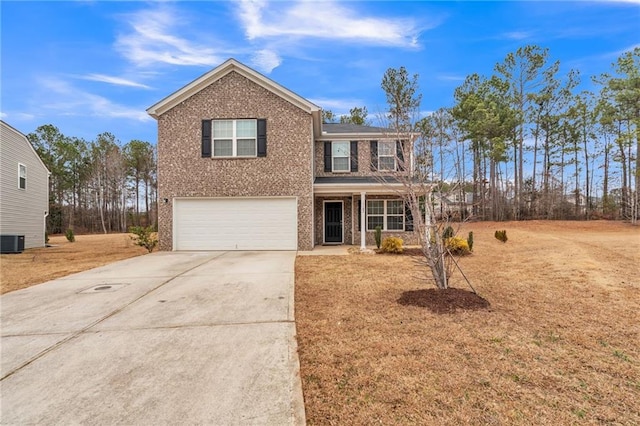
(22, 176)
(387, 155)
(340, 156)
(234, 138)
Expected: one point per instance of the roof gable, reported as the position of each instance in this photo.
(4, 126)
(230, 65)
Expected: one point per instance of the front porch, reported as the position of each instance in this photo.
(351, 219)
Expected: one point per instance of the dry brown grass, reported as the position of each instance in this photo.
(35, 266)
(558, 345)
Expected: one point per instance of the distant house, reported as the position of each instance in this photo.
(24, 189)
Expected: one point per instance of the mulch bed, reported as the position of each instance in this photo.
(444, 301)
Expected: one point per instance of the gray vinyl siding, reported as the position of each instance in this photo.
(22, 211)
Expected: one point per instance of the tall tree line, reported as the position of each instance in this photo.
(97, 186)
(528, 144)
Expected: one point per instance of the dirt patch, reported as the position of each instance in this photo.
(38, 265)
(558, 345)
(444, 301)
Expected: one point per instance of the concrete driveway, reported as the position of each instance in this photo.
(166, 338)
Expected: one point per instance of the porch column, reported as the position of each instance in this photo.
(363, 221)
(427, 223)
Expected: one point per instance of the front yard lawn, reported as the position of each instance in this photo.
(38, 265)
(558, 344)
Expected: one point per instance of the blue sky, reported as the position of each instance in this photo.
(89, 66)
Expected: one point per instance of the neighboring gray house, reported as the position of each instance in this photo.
(24, 188)
(246, 164)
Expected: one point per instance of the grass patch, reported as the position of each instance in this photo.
(38, 265)
(562, 315)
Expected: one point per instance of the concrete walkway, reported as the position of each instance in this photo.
(167, 338)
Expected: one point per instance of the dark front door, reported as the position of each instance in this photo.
(333, 222)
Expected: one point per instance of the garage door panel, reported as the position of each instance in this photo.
(235, 224)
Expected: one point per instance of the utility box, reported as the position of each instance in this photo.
(11, 244)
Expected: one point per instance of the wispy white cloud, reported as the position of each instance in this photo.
(338, 106)
(266, 60)
(118, 81)
(71, 101)
(152, 38)
(450, 77)
(16, 116)
(326, 20)
(517, 35)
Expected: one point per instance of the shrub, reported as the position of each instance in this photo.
(144, 237)
(470, 240)
(501, 236)
(70, 235)
(448, 233)
(457, 246)
(378, 235)
(46, 237)
(392, 245)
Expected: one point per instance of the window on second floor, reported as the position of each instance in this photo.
(234, 138)
(22, 176)
(387, 155)
(340, 156)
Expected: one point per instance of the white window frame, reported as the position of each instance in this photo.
(234, 138)
(385, 215)
(393, 155)
(22, 167)
(348, 156)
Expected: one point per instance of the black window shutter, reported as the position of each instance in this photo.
(374, 156)
(262, 137)
(354, 156)
(327, 156)
(206, 138)
(400, 154)
(408, 218)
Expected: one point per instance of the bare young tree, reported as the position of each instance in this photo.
(403, 101)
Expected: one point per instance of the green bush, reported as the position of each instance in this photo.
(378, 235)
(470, 240)
(501, 236)
(144, 237)
(70, 235)
(457, 246)
(392, 245)
(448, 233)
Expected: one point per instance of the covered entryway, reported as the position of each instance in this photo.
(269, 223)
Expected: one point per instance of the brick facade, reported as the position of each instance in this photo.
(285, 171)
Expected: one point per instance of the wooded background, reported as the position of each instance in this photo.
(524, 143)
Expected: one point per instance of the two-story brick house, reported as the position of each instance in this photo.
(246, 164)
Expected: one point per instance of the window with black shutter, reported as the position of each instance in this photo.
(354, 156)
(327, 157)
(206, 138)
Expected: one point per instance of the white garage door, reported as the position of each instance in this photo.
(235, 224)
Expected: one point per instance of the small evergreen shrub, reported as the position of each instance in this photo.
(392, 245)
(70, 235)
(378, 235)
(470, 240)
(457, 246)
(144, 237)
(501, 236)
(448, 233)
